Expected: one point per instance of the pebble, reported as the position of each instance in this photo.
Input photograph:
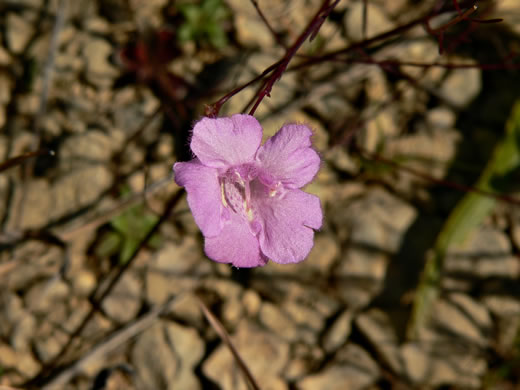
(19, 31)
(377, 21)
(264, 353)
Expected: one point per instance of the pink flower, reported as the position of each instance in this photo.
(245, 197)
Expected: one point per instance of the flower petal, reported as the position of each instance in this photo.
(203, 190)
(289, 156)
(287, 225)
(224, 142)
(236, 245)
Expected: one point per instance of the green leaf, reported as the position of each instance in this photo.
(202, 23)
(217, 36)
(466, 216)
(132, 225)
(186, 33)
(109, 244)
(191, 12)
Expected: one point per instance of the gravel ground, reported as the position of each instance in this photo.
(112, 88)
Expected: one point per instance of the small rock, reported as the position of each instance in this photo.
(462, 86)
(124, 302)
(47, 346)
(396, 7)
(421, 50)
(43, 295)
(27, 103)
(353, 370)
(97, 25)
(304, 316)
(11, 306)
(507, 333)
(502, 305)
(278, 322)
(186, 306)
(8, 356)
(375, 221)
(78, 189)
(323, 254)
(508, 10)
(377, 21)
(37, 204)
(27, 365)
(441, 117)
(252, 302)
(50, 259)
(337, 334)
(264, 354)
(485, 253)
(435, 144)
(5, 88)
(92, 146)
(23, 332)
(5, 57)
(448, 367)
(19, 31)
(78, 309)
(99, 70)
(166, 274)
(189, 349)
(150, 12)
(460, 315)
(156, 363)
(376, 327)
(232, 312)
(379, 129)
(226, 289)
(175, 260)
(252, 31)
(83, 282)
(3, 117)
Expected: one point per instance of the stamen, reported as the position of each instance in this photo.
(223, 194)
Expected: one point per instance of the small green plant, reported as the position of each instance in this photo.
(203, 23)
(128, 229)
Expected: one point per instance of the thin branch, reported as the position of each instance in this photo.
(310, 32)
(275, 35)
(212, 110)
(453, 22)
(111, 343)
(395, 63)
(22, 158)
(445, 183)
(334, 55)
(223, 334)
(49, 65)
(364, 20)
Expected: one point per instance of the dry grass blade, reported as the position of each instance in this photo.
(223, 334)
(105, 347)
(22, 158)
(273, 32)
(49, 66)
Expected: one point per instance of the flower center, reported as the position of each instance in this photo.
(236, 191)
